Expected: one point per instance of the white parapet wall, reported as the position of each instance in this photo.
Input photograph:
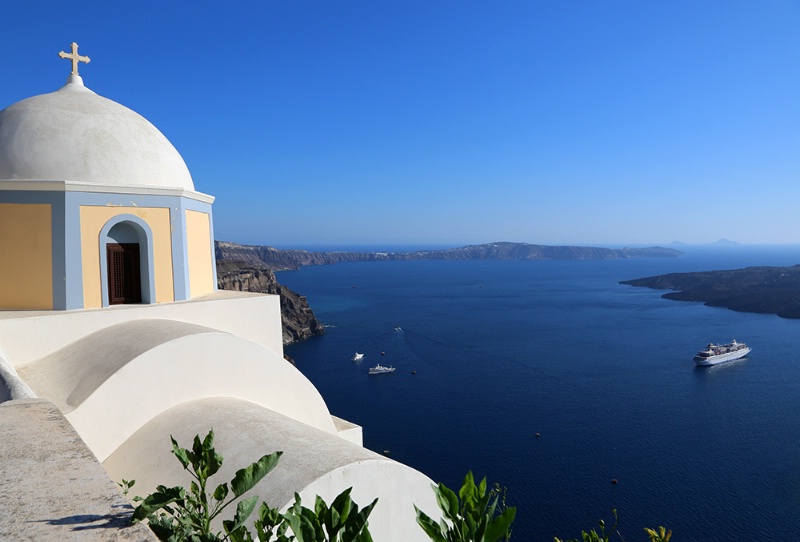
(112, 369)
(111, 382)
(27, 336)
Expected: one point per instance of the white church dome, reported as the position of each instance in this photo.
(73, 134)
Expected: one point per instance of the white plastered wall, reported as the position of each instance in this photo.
(111, 383)
(30, 335)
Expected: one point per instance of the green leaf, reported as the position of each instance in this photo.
(221, 492)
(334, 522)
(358, 522)
(468, 491)
(243, 511)
(180, 453)
(302, 526)
(320, 507)
(158, 500)
(245, 508)
(447, 501)
(339, 512)
(499, 526)
(246, 478)
(196, 454)
(434, 531)
(164, 530)
(239, 535)
(268, 520)
(212, 459)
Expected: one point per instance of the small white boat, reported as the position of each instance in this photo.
(358, 357)
(720, 353)
(380, 369)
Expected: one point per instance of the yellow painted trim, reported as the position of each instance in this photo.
(26, 256)
(199, 254)
(93, 218)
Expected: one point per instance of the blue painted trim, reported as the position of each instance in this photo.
(73, 253)
(147, 268)
(211, 248)
(180, 263)
(59, 253)
(180, 252)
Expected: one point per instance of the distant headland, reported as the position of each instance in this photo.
(766, 290)
(283, 260)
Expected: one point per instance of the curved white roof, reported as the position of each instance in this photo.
(73, 134)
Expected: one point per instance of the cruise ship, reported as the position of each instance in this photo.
(720, 353)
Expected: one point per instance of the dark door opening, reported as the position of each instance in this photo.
(124, 273)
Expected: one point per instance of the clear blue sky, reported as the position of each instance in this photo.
(452, 121)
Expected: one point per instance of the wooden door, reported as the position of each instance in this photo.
(124, 273)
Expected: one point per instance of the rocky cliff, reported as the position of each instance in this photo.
(298, 320)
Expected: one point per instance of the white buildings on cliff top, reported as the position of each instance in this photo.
(109, 311)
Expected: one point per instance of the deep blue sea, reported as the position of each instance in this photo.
(504, 350)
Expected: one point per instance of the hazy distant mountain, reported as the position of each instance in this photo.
(721, 243)
(280, 260)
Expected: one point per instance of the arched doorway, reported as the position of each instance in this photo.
(124, 273)
(126, 262)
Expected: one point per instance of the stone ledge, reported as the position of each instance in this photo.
(349, 431)
(51, 486)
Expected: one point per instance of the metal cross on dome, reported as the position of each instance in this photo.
(74, 57)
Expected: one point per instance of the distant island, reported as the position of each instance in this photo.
(283, 260)
(721, 243)
(766, 290)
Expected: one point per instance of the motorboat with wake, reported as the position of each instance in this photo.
(358, 357)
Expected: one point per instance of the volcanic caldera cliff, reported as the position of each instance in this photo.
(282, 260)
(298, 319)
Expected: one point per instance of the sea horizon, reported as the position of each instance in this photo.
(413, 247)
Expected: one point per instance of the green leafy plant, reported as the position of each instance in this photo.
(660, 535)
(175, 514)
(126, 486)
(342, 521)
(470, 516)
(593, 535)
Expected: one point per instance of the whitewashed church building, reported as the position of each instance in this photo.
(111, 327)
